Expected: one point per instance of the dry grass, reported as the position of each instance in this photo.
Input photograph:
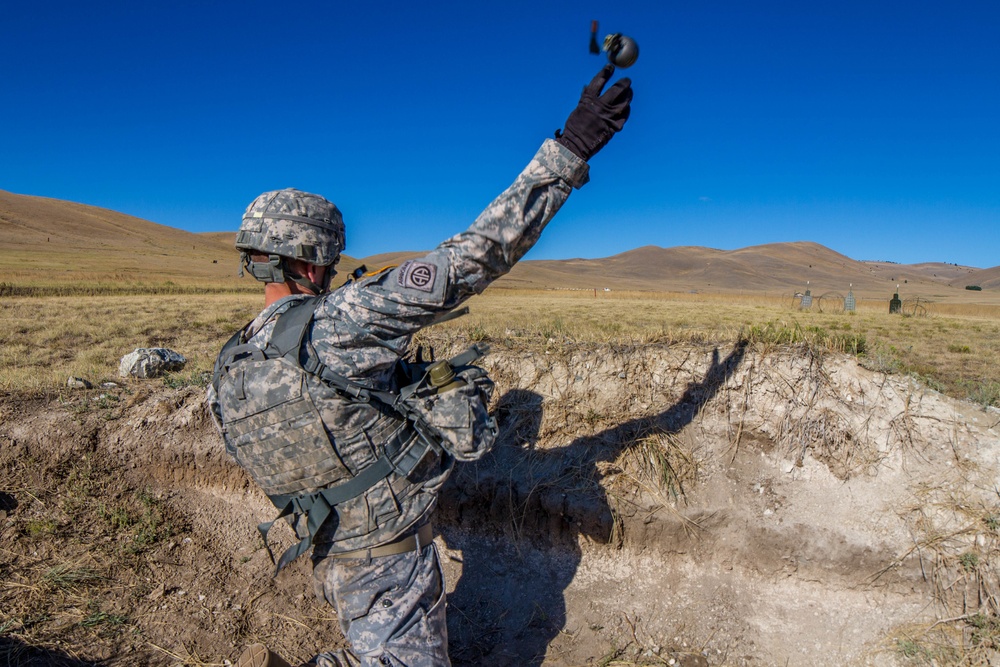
(957, 542)
(957, 350)
(45, 340)
(79, 594)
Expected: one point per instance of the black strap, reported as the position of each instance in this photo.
(290, 329)
(318, 506)
(406, 452)
(224, 357)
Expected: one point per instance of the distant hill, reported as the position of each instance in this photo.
(985, 278)
(942, 271)
(48, 241)
(226, 240)
(390, 258)
(776, 267)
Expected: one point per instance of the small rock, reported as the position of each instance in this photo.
(110, 385)
(150, 362)
(78, 383)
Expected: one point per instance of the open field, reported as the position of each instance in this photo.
(707, 484)
(954, 348)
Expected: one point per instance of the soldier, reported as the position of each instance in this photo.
(349, 472)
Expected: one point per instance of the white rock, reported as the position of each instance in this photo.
(150, 362)
(78, 383)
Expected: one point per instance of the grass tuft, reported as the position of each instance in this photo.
(67, 577)
(40, 527)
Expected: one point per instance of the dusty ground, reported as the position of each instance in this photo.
(734, 506)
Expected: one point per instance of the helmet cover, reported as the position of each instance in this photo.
(293, 224)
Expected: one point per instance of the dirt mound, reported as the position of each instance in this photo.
(737, 506)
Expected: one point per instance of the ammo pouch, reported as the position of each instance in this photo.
(273, 429)
(453, 404)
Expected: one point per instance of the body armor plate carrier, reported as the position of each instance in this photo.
(267, 408)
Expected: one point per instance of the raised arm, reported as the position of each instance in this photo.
(410, 296)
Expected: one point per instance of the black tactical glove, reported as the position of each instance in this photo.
(596, 119)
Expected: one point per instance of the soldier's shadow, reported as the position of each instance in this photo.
(16, 653)
(515, 516)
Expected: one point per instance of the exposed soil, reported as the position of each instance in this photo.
(704, 506)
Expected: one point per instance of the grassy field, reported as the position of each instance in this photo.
(954, 348)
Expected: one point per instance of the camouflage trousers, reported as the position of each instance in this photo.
(391, 609)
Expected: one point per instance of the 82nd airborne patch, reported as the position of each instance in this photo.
(417, 275)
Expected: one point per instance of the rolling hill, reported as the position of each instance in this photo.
(777, 267)
(985, 278)
(49, 241)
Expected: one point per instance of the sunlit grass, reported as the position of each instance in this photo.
(43, 341)
(953, 347)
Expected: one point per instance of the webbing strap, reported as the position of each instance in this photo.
(243, 348)
(225, 355)
(406, 452)
(290, 329)
(318, 506)
(335, 495)
(475, 351)
(325, 223)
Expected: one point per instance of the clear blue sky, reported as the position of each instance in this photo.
(870, 127)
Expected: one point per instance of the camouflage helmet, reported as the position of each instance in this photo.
(290, 224)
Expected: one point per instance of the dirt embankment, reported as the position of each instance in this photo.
(732, 506)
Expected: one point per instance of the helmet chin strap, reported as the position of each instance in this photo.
(328, 277)
(303, 281)
(277, 270)
(295, 277)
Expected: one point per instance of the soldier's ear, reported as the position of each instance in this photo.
(315, 273)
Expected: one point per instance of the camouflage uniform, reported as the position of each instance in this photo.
(391, 608)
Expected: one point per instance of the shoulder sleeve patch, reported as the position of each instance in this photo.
(417, 275)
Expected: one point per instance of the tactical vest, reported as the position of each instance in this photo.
(269, 404)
